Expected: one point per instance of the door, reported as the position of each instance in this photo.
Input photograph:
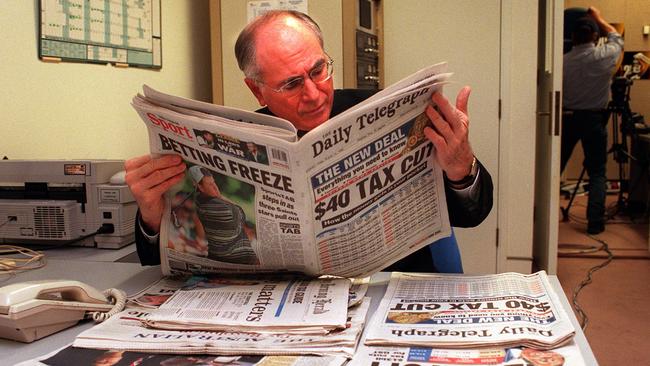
(549, 114)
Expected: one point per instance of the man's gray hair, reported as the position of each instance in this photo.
(245, 45)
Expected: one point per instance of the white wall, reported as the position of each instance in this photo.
(420, 33)
(77, 110)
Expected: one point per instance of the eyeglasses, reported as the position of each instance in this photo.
(318, 74)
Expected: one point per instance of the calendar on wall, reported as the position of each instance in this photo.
(121, 32)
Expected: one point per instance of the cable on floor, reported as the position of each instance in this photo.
(610, 216)
(583, 319)
(575, 249)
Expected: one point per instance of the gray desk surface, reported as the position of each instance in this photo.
(132, 277)
(90, 254)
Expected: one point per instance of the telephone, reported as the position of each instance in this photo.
(34, 309)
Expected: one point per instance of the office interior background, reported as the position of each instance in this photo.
(82, 111)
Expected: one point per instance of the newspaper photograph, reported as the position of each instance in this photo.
(460, 311)
(296, 306)
(125, 331)
(255, 198)
(92, 357)
(424, 356)
(157, 293)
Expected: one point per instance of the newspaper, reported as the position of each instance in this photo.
(295, 306)
(125, 331)
(92, 357)
(424, 356)
(459, 311)
(349, 198)
(158, 292)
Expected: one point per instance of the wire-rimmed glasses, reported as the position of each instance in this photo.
(320, 73)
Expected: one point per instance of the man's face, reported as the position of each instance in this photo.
(286, 49)
(209, 187)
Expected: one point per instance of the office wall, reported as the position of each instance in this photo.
(76, 110)
(420, 33)
(233, 19)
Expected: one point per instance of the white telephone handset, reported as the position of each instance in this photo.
(35, 309)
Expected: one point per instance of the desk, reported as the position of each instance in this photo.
(132, 277)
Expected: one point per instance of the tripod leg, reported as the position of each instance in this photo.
(565, 211)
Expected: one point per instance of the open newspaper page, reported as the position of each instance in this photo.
(125, 331)
(451, 311)
(296, 306)
(70, 355)
(377, 193)
(351, 197)
(239, 207)
(425, 356)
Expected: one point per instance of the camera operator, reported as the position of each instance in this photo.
(587, 73)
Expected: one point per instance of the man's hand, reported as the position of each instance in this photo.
(594, 12)
(149, 178)
(450, 134)
(602, 23)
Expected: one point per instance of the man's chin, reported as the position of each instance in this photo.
(308, 123)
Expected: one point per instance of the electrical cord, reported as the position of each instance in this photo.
(9, 219)
(115, 296)
(583, 318)
(104, 229)
(26, 259)
(610, 214)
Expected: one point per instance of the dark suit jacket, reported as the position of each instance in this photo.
(462, 212)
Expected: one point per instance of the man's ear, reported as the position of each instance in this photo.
(252, 85)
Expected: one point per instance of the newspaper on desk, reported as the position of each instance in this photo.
(349, 198)
(92, 357)
(125, 331)
(158, 292)
(460, 311)
(255, 304)
(568, 355)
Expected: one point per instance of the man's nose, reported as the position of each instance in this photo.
(310, 90)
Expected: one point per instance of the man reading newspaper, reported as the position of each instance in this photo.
(285, 66)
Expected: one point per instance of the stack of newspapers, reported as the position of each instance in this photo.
(454, 311)
(307, 306)
(237, 316)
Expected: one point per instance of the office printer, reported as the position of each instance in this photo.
(65, 201)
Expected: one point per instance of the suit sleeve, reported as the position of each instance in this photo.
(471, 211)
(149, 253)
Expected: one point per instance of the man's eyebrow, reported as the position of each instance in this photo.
(316, 64)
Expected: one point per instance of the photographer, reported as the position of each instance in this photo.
(587, 75)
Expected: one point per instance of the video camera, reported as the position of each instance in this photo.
(621, 92)
(631, 123)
